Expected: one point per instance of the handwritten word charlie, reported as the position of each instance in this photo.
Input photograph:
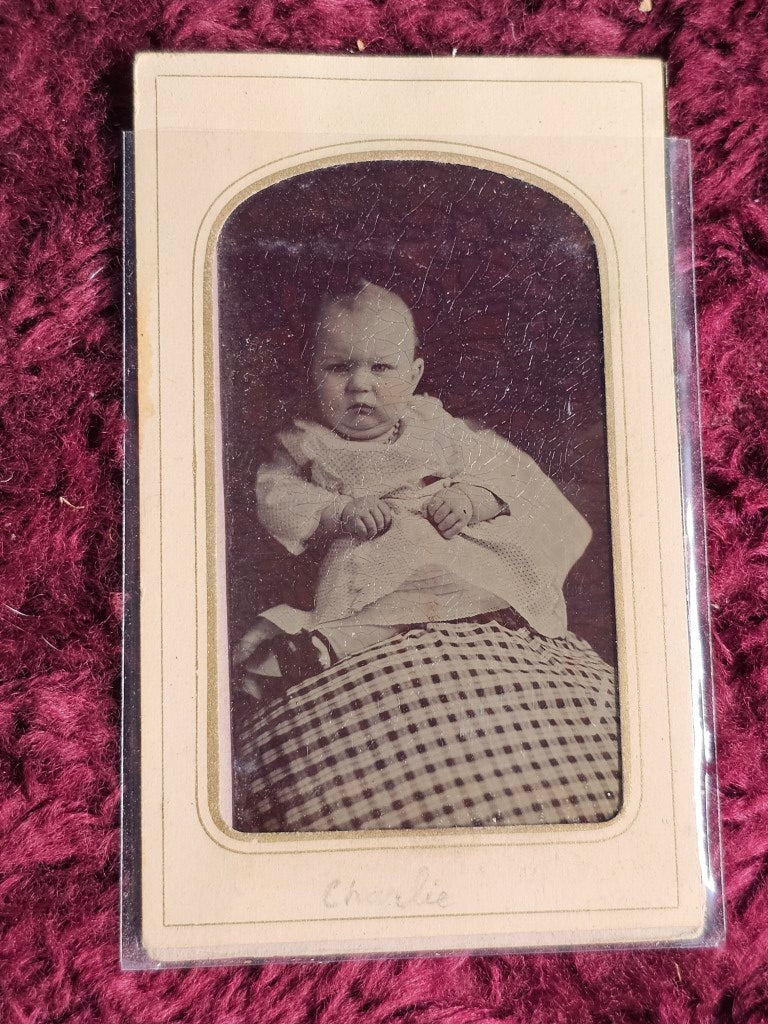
(420, 891)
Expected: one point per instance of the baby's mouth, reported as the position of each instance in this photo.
(360, 409)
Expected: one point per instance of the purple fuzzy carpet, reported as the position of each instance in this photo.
(65, 72)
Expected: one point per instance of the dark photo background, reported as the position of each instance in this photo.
(503, 281)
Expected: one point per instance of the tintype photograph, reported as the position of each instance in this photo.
(419, 590)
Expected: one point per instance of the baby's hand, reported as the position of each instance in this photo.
(449, 511)
(365, 518)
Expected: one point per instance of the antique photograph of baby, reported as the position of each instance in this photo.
(416, 503)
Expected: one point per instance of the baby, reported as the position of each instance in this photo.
(417, 517)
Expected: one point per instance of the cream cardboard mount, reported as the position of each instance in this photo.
(211, 130)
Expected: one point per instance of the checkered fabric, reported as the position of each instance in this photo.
(448, 724)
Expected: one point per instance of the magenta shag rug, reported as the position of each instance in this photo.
(65, 67)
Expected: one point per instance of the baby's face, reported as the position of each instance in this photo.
(363, 372)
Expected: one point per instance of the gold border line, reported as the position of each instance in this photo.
(210, 453)
(210, 448)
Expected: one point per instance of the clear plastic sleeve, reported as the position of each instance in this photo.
(248, 794)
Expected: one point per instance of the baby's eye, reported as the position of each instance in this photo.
(338, 367)
(381, 367)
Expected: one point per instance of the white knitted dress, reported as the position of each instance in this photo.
(411, 573)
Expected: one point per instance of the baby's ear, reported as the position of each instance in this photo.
(417, 372)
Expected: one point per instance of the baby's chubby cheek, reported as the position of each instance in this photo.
(327, 401)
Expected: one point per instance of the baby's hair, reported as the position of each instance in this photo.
(347, 298)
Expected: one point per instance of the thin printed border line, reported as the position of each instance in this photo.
(367, 846)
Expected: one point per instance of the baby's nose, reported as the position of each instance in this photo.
(361, 379)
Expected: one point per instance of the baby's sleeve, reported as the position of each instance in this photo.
(551, 532)
(483, 459)
(287, 505)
